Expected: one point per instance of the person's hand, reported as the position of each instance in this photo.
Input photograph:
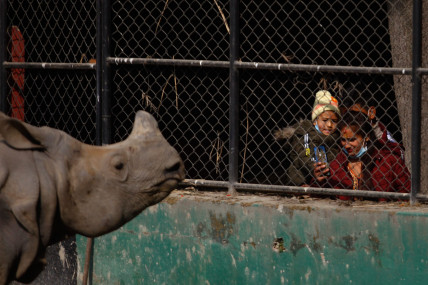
(320, 171)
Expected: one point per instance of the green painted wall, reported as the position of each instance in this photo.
(209, 238)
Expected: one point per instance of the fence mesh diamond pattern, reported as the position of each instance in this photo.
(191, 104)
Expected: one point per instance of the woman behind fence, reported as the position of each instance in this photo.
(364, 102)
(310, 136)
(364, 163)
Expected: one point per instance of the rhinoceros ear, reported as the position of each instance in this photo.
(16, 134)
(144, 124)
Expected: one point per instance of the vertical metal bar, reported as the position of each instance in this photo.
(106, 74)
(87, 268)
(89, 253)
(3, 53)
(416, 99)
(99, 74)
(234, 96)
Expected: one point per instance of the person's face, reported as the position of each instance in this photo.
(351, 141)
(327, 122)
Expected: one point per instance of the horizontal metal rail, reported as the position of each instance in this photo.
(280, 189)
(173, 62)
(324, 68)
(49, 65)
(265, 66)
(220, 64)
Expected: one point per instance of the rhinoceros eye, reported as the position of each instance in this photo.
(119, 166)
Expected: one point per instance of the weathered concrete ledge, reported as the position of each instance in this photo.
(209, 238)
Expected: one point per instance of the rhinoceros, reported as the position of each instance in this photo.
(53, 186)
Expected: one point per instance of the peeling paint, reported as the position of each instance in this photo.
(124, 253)
(308, 274)
(233, 260)
(62, 257)
(324, 262)
(153, 209)
(188, 256)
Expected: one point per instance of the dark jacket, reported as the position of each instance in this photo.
(301, 168)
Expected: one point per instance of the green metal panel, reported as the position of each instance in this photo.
(208, 238)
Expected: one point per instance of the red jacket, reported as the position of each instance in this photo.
(389, 173)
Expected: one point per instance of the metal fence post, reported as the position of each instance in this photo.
(416, 99)
(89, 253)
(106, 73)
(234, 96)
(3, 50)
(99, 74)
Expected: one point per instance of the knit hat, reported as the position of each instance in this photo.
(324, 102)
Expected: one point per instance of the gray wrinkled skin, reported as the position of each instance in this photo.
(53, 186)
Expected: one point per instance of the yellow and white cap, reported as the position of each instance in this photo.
(324, 101)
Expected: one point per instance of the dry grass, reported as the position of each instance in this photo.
(217, 146)
(287, 58)
(246, 143)
(163, 90)
(175, 89)
(160, 18)
(326, 83)
(222, 16)
(147, 101)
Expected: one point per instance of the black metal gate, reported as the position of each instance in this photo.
(220, 76)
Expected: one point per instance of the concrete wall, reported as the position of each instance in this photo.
(210, 238)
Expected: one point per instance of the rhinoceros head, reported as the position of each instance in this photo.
(110, 185)
(96, 189)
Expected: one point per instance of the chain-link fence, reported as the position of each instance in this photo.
(172, 58)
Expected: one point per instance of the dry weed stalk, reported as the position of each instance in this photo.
(160, 18)
(222, 16)
(338, 87)
(246, 143)
(83, 57)
(148, 102)
(176, 89)
(335, 85)
(163, 90)
(218, 146)
(324, 83)
(287, 58)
